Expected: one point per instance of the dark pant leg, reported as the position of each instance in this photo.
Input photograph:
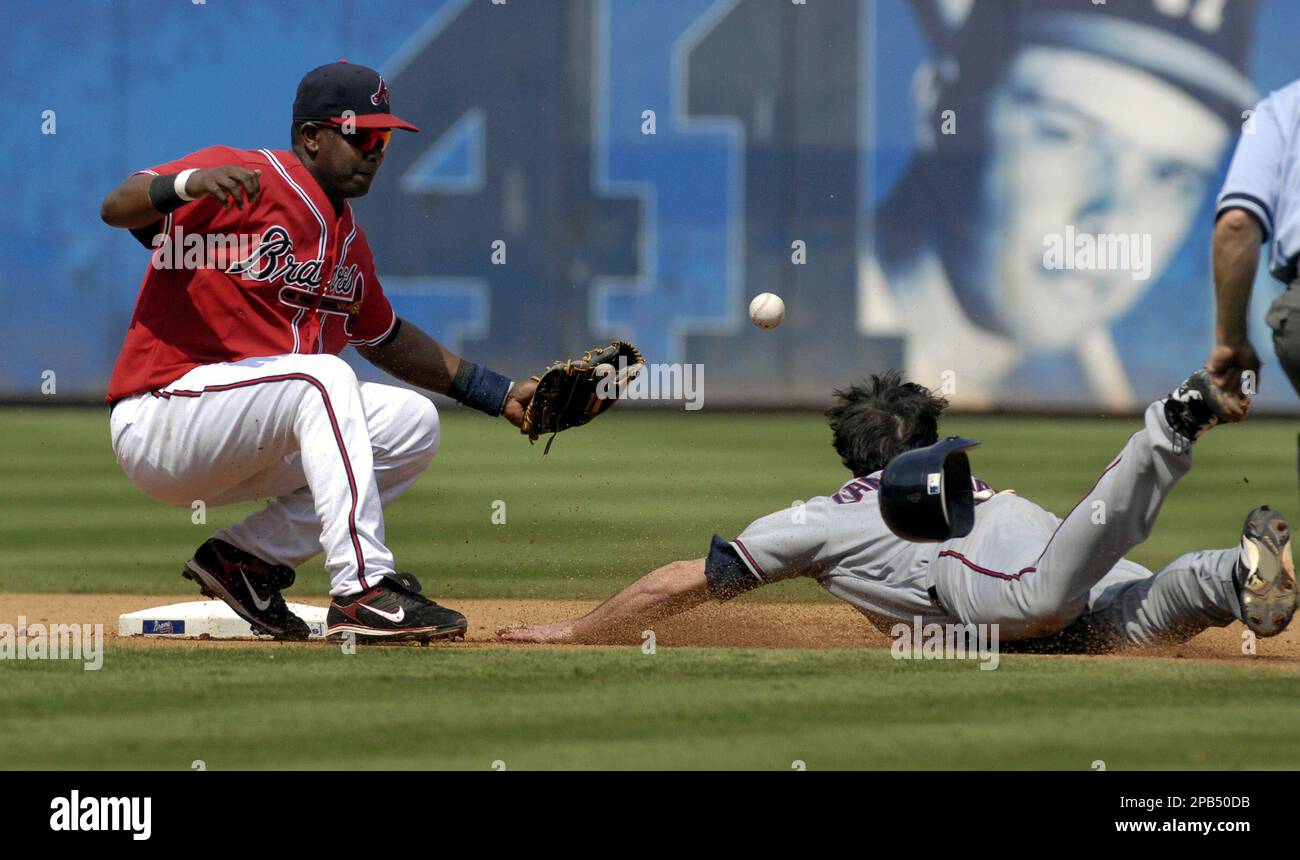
(1284, 318)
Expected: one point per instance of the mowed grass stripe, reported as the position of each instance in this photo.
(621, 496)
(286, 707)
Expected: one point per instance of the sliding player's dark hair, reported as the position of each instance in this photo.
(876, 420)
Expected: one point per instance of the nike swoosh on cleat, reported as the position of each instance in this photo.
(395, 617)
(258, 601)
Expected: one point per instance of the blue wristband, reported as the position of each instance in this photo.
(725, 573)
(480, 388)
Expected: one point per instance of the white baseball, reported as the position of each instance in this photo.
(767, 310)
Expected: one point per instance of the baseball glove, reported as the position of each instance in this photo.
(571, 393)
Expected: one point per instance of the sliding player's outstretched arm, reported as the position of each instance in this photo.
(673, 588)
(778, 546)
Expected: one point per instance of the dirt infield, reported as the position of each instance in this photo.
(740, 625)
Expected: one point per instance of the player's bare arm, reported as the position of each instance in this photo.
(666, 591)
(1237, 237)
(415, 357)
(143, 198)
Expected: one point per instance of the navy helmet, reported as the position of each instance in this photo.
(926, 494)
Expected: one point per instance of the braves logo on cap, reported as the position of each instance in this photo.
(380, 95)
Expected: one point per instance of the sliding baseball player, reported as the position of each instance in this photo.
(1049, 584)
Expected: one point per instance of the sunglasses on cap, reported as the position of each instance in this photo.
(365, 139)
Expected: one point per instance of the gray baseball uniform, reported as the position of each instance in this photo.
(1040, 578)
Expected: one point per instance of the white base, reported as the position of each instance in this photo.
(197, 619)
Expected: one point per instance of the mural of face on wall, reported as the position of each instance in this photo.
(1067, 154)
(1087, 138)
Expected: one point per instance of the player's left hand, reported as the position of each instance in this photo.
(517, 401)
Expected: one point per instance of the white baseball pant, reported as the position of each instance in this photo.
(329, 452)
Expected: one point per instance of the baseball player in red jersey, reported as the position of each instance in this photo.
(229, 386)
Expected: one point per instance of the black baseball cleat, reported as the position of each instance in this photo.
(1199, 404)
(1265, 573)
(393, 610)
(249, 585)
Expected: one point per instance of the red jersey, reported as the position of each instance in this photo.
(285, 275)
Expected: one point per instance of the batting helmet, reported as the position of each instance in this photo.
(925, 493)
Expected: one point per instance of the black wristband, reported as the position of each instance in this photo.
(479, 387)
(163, 196)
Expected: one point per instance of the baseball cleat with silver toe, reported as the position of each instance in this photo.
(1265, 573)
(393, 611)
(248, 585)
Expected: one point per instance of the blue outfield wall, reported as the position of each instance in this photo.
(793, 152)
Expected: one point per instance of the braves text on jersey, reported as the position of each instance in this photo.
(305, 284)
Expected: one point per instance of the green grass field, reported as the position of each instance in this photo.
(274, 706)
(612, 500)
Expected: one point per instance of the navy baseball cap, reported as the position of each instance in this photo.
(328, 91)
